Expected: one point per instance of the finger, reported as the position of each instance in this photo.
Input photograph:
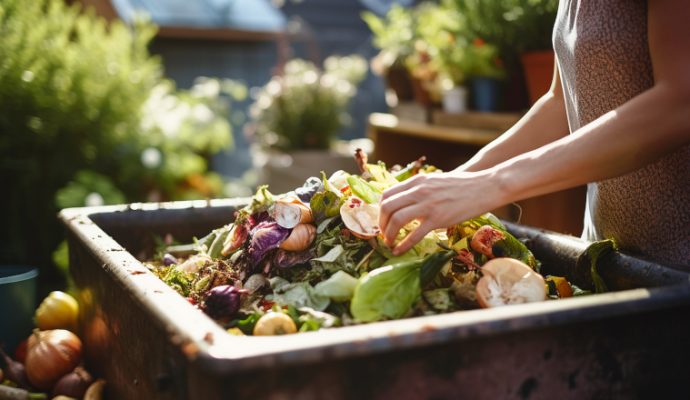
(392, 205)
(413, 238)
(401, 187)
(397, 220)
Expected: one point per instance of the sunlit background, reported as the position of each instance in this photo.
(119, 101)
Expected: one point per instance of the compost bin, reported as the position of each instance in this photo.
(150, 343)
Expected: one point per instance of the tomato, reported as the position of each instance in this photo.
(57, 311)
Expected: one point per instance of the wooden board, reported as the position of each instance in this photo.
(475, 119)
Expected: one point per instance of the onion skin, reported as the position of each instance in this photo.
(300, 238)
(51, 355)
(290, 212)
(95, 391)
(360, 218)
(73, 384)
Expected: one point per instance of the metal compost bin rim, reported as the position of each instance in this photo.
(206, 344)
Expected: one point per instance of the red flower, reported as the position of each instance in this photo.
(479, 42)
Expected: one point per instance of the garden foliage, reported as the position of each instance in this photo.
(87, 118)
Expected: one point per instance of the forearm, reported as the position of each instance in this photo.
(544, 123)
(639, 132)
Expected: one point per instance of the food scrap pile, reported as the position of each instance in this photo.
(48, 363)
(313, 258)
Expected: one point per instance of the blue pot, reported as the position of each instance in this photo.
(17, 304)
(486, 93)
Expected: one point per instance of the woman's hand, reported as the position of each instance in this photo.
(436, 200)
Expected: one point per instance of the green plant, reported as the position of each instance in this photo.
(303, 108)
(515, 26)
(483, 60)
(394, 35)
(88, 119)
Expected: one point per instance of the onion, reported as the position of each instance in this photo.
(300, 238)
(360, 218)
(289, 212)
(73, 384)
(222, 302)
(51, 354)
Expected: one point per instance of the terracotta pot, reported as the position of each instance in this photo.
(538, 68)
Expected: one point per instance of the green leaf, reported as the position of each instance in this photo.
(363, 189)
(325, 205)
(339, 287)
(432, 265)
(513, 248)
(594, 251)
(247, 325)
(467, 228)
(387, 292)
(332, 254)
(298, 294)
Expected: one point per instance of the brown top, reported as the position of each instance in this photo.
(603, 56)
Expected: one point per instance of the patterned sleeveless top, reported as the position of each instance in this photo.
(603, 55)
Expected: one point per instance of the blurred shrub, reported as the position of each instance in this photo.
(305, 107)
(87, 118)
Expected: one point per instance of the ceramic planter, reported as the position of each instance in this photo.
(148, 342)
(455, 100)
(486, 93)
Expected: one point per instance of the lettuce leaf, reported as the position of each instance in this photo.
(387, 292)
(363, 189)
(339, 287)
(298, 294)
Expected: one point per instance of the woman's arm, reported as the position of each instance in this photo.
(544, 123)
(652, 124)
(643, 129)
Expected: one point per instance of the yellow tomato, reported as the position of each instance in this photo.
(274, 323)
(57, 311)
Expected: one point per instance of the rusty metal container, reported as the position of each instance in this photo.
(149, 343)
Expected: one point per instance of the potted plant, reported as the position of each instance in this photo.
(433, 64)
(297, 115)
(521, 29)
(452, 61)
(485, 71)
(394, 37)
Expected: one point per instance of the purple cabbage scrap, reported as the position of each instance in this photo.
(287, 259)
(266, 236)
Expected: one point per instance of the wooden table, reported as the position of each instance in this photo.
(397, 141)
